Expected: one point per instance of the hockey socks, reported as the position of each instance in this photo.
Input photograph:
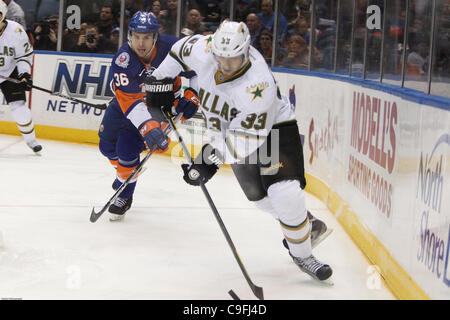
(22, 116)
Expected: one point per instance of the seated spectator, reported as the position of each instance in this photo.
(254, 27)
(244, 8)
(212, 14)
(264, 46)
(156, 8)
(90, 41)
(114, 37)
(194, 22)
(15, 13)
(45, 34)
(298, 54)
(107, 22)
(132, 6)
(168, 18)
(267, 18)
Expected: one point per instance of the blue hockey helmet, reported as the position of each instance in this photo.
(143, 22)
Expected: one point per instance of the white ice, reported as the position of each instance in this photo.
(168, 247)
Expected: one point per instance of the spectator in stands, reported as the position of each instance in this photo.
(156, 8)
(254, 27)
(298, 54)
(265, 46)
(132, 6)
(90, 41)
(168, 18)
(15, 13)
(148, 5)
(194, 22)
(45, 34)
(107, 22)
(212, 14)
(267, 18)
(114, 37)
(244, 8)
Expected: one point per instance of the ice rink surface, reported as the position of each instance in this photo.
(168, 247)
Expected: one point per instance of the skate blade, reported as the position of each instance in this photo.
(116, 217)
(320, 238)
(327, 282)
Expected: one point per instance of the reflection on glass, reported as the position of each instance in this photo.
(374, 42)
(326, 18)
(417, 54)
(440, 81)
(344, 37)
(359, 38)
(38, 11)
(91, 26)
(393, 42)
(167, 17)
(293, 42)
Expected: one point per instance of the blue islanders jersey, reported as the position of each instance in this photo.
(129, 71)
(127, 85)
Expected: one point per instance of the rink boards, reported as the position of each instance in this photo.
(376, 155)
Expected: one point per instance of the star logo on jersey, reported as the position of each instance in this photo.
(208, 43)
(257, 93)
(257, 90)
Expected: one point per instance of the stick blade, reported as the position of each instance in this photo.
(95, 215)
(258, 291)
(233, 295)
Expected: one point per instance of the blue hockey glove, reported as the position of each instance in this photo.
(153, 135)
(188, 104)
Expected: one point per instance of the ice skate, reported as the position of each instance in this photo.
(118, 208)
(319, 231)
(35, 146)
(313, 267)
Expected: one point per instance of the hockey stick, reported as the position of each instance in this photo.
(97, 106)
(257, 291)
(95, 215)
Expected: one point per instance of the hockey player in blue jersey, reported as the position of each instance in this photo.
(131, 122)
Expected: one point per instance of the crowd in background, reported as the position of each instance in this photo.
(330, 49)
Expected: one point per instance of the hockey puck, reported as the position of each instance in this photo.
(233, 295)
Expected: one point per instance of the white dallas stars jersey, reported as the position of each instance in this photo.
(240, 110)
(15, 50)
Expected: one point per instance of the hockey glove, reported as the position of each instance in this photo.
(26, 82)
(159, 93)
(188, 104)
(153, 135)
(204, 167)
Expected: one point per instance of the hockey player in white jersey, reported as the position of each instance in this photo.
(16, 57)
(246, 117)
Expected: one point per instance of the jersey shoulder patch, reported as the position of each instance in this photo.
(123, 60)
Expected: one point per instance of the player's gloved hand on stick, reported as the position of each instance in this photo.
(159, 92)
(153, 135)
(204, 167)
(25, 81)
(188, 104)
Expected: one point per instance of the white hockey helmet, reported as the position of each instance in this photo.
(3, 10)
(231, 39)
